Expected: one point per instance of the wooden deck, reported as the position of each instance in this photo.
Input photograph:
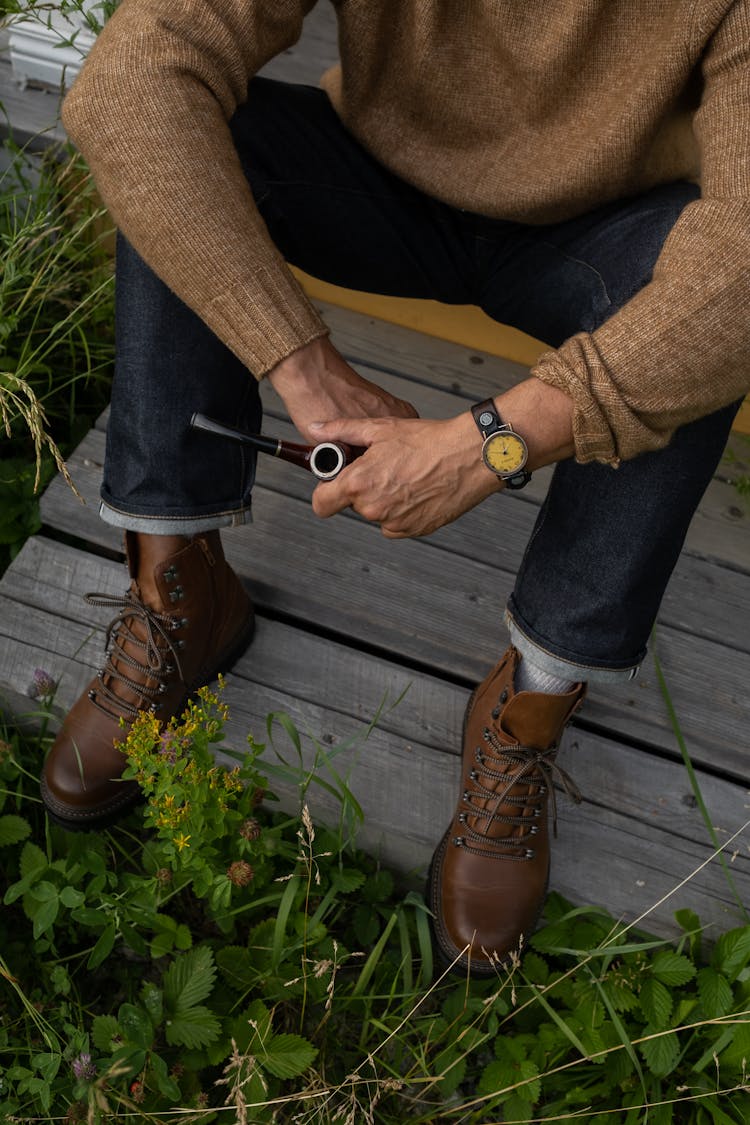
(366, 620)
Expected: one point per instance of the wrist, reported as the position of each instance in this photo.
(304, 365)
(543, 416)
(468, 443)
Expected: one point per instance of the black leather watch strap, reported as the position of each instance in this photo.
(486, 417)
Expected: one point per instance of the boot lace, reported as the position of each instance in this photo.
(536, 769)
(160, 659)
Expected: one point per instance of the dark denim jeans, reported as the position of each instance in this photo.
(606, 540)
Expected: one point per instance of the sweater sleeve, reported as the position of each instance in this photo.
(150, 113)
(680, 348)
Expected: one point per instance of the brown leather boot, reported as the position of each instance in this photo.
(185, 618)
(488, 878)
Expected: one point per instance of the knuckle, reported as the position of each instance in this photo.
(370, 512)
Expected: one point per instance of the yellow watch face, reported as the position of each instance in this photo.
(505, 453)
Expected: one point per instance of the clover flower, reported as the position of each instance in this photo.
(83, 1067)
(240, 873)
(42, 684)
(250, 829)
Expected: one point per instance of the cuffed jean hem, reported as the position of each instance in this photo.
(558, 666)
(174, 525)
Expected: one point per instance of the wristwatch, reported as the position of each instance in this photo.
(504, 451)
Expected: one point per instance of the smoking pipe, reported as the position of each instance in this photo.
(325, 460)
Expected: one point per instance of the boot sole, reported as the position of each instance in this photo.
(447, 955)
(103, 817)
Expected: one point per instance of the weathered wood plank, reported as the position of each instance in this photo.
(431, 606)
(405, 774)
(467, 372)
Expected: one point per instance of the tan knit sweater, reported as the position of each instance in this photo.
(556, 105)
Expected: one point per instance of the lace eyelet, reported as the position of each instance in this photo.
(530, 853)
(462, 818)
(473, 776)
(504, 696)
(458, 841)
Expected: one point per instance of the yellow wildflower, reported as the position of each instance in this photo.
(181, 841)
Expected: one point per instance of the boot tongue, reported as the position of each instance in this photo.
(536, 719)
(144, 554)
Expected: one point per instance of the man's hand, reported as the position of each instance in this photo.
(418, 475)
(415, 476)
(317, 384)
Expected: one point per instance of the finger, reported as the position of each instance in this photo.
(355, 431)
(330, 497)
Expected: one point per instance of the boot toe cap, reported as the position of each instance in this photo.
(484, 908)
(81, 780)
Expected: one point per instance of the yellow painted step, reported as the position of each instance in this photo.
(462, 324)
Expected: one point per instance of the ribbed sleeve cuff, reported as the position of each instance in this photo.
(592, 435)
(605, 426)
(265, 319)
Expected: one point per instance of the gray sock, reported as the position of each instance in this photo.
(530, 677)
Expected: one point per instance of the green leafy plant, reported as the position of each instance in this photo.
(65, 17)
(213, 957)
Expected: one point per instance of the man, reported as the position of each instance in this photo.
(539, 160)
